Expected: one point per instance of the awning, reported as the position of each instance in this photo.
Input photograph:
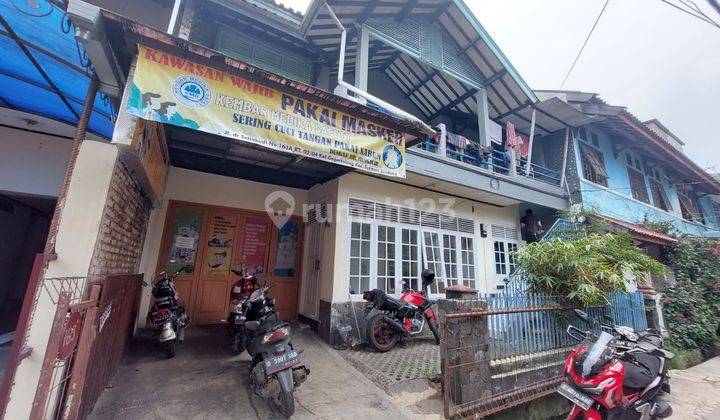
(43, 70)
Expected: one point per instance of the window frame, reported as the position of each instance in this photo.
(589, 172)
(438, 288)
(638, 192)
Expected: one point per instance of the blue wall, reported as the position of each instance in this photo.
(616, 200)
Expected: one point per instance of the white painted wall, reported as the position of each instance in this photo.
(75, 243)
(202, 188)
(32, 163)
(356, 185)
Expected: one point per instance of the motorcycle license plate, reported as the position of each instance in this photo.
(575, 396)
(278, 363)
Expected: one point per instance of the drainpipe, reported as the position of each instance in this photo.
(80, 133)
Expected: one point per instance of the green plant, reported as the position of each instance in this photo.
(585, 269)
(691, 306)
(666, 227)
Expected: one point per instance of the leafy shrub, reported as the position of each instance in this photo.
(691, 306)
(585, 269)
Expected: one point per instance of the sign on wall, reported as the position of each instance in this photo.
(255, 236)
(173, 90)
(286, 250)
(218, 253)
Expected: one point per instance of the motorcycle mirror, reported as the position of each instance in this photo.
(582, 315)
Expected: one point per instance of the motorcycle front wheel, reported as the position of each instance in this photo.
(285, 403)
(380, 335)
(170, 348)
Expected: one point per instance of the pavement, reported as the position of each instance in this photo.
(207, 381)
(695, 392)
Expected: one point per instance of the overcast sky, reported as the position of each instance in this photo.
(644, 54)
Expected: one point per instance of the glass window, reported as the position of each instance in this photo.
(468, 261)
(500, 258)
(386, 259)
(595, 140)
(451, 264)
(638, 186)
(410, 259)
(593, 165)
(512, 247)
(359, 257)
(660, 198)
(433, 260)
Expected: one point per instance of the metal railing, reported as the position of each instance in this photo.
(512, 351)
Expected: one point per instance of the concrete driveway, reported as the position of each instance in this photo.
(206, 381)
(695, 392)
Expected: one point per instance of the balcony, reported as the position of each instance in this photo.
(492, 160)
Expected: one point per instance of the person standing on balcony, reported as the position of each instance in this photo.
(530, 227)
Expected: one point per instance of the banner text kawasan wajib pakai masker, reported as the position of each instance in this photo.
(173, 90)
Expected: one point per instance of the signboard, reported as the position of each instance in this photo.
(220, 245)
(255, 236)
(287, 243)
(172, 90)
(186, 235)
(70, 336)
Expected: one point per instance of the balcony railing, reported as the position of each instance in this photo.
(497, 161)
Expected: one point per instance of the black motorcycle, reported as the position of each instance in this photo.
(276, 369)
(167, 315)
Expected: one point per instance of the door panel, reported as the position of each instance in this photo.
(183, 234)
(215, 279)
(226, 238)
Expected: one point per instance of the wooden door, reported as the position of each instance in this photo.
(225, 238)
(313, 263)
(184, 231)
(285, 267)
(215, 279)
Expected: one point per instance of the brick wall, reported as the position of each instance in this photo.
(122, 230)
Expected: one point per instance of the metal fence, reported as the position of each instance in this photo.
(512, 351)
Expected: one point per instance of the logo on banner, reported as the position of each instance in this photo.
(192, 91)
(392, 158)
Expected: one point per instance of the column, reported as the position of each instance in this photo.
(483, 115)
(361, 58)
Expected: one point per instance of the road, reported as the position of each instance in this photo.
(696, 391)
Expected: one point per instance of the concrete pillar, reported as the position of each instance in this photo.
(442, 143)
(483, 115)
(466, 351)
(361, 58)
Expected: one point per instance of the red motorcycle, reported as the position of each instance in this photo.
(604, 379)
(243, 308)
(397, 319)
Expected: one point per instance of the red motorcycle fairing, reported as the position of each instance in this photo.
(608, 383)
(413, 298)
(578, 413)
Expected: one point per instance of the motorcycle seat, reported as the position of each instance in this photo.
(636, 375)
(385, 302)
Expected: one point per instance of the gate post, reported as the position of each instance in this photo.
(76, 384)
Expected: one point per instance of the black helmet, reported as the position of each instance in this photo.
(428, 276)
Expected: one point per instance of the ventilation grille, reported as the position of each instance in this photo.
(406, 215)
(362, 208)
(504, 232)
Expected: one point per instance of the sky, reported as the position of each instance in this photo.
(644, 55)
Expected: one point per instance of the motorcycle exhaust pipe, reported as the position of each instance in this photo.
(396, 325)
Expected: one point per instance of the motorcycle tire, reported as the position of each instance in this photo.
(285, 403)
(238, 344)
(379, 334)
(434, 330)
(170, 348)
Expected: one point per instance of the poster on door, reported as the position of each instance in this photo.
(220, 244)
(184, 245)
(252, 254)
(286, 251)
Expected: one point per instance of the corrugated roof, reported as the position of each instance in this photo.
(642, 233)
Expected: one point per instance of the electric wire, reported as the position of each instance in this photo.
(695, 11)
(577, 57)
